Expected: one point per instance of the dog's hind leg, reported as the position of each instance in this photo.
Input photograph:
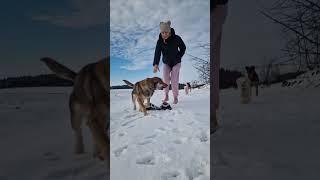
(97, 124)
(141, 106)
(134, 98)
(257, 89)
(76, 122)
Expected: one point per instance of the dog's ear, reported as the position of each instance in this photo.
(253, 67)
(247, 68)
(155, 81)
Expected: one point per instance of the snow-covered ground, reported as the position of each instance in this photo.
(276, 136)
(273, 137)
(36, 141)
(164, 145)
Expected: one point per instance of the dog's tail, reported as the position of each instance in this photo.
(128, 83)
(59, 69)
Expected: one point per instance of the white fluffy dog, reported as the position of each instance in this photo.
(244, 84)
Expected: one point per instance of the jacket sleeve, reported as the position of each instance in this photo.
(182, 47)
(157, 54)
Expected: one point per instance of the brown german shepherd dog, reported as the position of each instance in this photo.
(89, 99)
(143, 90)
(254, 78)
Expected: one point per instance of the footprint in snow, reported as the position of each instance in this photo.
(131, 126)
(127, 123)
(121, 134)
(170, 175)
(129, 116)
(151, 137)
(180, 141)
(179, 111)
(203, 137)
(120, 150)
(148, 141)
(197, 168)
(146, 160)
(190, 123)
(161, 129)
(176, 130)
(112, 131)
(157, 116)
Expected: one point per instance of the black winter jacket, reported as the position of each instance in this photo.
(170, 53)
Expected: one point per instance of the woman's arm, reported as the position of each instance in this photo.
(157, 54)
(182, 47)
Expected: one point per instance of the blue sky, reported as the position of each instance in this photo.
(135, 30)
(72, 31)
(119, 73)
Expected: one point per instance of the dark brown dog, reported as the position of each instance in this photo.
(143, 90)
(89, 99)
(253, 76)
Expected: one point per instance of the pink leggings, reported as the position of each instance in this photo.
(171, 74)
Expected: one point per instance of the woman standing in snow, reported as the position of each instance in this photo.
(172, 48)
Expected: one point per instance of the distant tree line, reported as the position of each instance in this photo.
(34, 81)
(181, 86)
(227, 80)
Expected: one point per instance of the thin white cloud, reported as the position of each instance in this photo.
(135, 29)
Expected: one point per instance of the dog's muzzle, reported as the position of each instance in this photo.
(161, 86)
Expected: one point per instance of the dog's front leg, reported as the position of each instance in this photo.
(148, 102)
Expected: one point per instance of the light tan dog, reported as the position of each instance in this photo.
(89, 99)
(244, 84)
(187, 88)
(143, 90)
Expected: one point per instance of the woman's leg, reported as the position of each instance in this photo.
(166, 79)
(175, 81)
(216, 67)
(218, 18)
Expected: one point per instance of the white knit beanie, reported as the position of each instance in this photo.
(165, 26)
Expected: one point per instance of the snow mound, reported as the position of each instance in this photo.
(306, 80)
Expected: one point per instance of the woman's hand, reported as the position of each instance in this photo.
(155, 68)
